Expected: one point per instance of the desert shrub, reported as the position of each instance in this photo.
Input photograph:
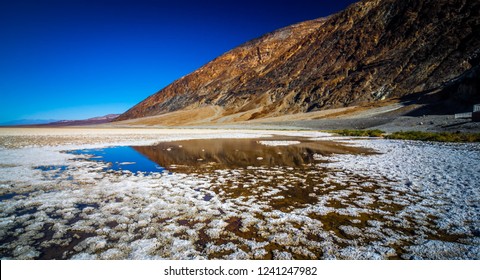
(359, 132)
(435, 136)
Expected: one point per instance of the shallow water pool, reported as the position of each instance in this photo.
(214, 154)
(122, 158)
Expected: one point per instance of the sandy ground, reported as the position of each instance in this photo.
(409, 200)
(389, 116)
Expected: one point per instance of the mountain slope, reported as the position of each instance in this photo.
(371, 51)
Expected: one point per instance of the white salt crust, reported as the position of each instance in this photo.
(278, 143)
(412, 196)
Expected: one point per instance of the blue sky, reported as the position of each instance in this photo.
(72, 59)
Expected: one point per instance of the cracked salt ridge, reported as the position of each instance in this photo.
(125, 205)
(445, 176)
(173, 199)
(279, 226)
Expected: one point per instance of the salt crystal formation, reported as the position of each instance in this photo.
(412, 200)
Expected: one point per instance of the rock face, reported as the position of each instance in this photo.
(373, 50)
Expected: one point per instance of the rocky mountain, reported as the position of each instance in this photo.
(373, 50)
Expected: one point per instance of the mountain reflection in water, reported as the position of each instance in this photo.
(197, 155)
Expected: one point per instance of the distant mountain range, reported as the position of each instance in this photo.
(54, 123)
(372, 51)
(26, 122)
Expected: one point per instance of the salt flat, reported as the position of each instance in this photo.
(408, 200)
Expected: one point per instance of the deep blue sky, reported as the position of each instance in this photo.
(72, 59)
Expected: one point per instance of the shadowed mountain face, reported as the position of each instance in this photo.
(373, 50)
